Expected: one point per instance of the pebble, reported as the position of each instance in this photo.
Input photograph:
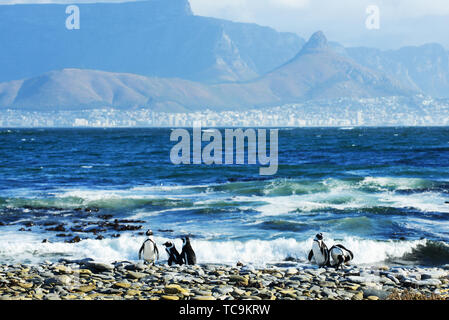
(122, 285)
(203, 298)
(223, 290)
(100, 266)
(358, 296)
(136, 275)
(169, 297)
(176, 289)
(85, 289)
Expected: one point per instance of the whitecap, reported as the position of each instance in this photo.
(29, 248)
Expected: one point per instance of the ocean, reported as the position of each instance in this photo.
(381, 192)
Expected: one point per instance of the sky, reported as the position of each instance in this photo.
(401, 22)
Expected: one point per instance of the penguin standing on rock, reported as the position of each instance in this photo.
(187, 254)
(340, 255)
(149, 250)
(173, 254)
(319, 252)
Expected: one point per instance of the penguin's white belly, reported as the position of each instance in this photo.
(335, 253)
(149, 253)
(320, 258)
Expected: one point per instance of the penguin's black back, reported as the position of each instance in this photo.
(188, 255)
(175, 254)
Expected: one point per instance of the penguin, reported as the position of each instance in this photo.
(173, 254)
(187, 254)
(149, 249)
(340, 255)
(319, 252)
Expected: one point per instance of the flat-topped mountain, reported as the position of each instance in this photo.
(160, 38)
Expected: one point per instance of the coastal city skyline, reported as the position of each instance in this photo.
(399, 111)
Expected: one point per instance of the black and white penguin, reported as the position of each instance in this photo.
(319, 252)
(340, 255)
(173, 254)
(187, 254)
(149, 250)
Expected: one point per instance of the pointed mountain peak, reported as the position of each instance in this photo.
(317, 41)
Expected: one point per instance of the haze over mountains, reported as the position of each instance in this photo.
(157, 54)
(425, 68)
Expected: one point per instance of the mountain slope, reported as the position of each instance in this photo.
(78, 89)
(425, 67)
(317, 72)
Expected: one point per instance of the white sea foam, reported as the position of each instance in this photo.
(30, 249)
(395, 183)
(425, 201)
(343, 195)
(312, 196)
(436, 228)
(146, 214)
(142, 192)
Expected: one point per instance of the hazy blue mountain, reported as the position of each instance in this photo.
(316, 72)
(424, 68)
(263, 48)
(320, 72)
(153, 38)
(72, 89)
(76, 89)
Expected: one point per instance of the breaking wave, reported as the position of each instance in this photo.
(30, 249)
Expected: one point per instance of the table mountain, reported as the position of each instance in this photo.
(156, 38)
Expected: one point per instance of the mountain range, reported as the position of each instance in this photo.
(157, 54)
(424, 68)
(316, 72)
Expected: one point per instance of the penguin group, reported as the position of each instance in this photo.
(336, 256)
(150, 253)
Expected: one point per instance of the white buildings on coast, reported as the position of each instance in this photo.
(392, 111)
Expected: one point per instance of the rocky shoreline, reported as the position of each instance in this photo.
(89, 280)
